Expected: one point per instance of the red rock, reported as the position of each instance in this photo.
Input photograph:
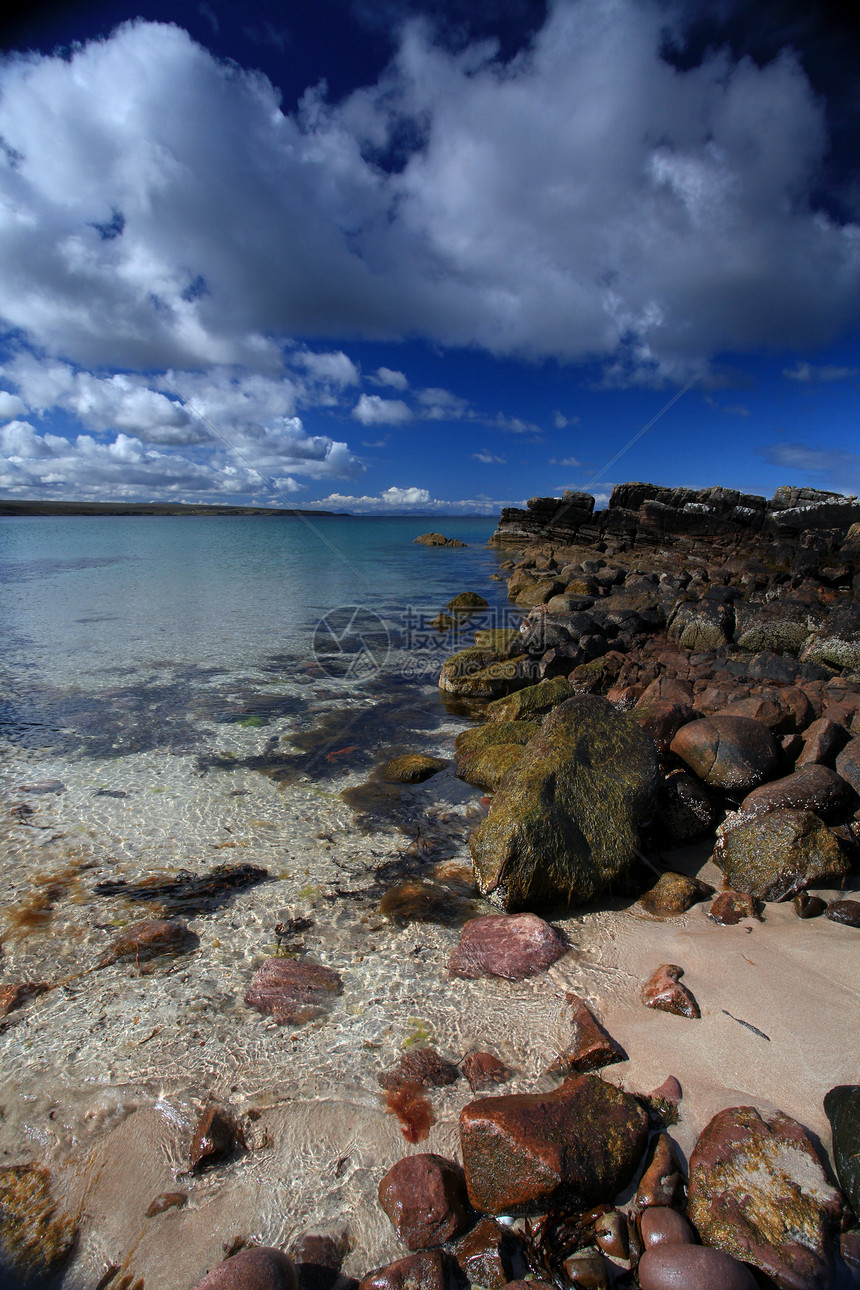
(692, 1267)
(146, 939)
(662, 1179)
(320, 1249)
(16, 995)
(512, 946)
(731, 906)
(848, 763)
(660, 1225)
(669, 1091)
(425, 1270)
(420, 1066)
(262, 1268)
(758, 1191)
(661, 720)
(216, 1136)
(727, 752)
(425, 1198)
(580, 1143)
(292, 990)
(487, 1254)
(612, 1234)
(664, 992)
(822, 740)
(812, 788)
(483, 1070)
(587, 1045)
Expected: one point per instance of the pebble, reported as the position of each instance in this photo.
(731, 906)
(806, 906)
(662, 1179)
(587, 1045)
(147, 939)
(669, 1091)
(844, 911)
(692, 1267)
(664, 992)
(216, 1136)
(661, 1225)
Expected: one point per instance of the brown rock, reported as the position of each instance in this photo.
(669, 1091)
(758, 1192)
(844, 911)
(662, 719)
(512, 946)
(320, 1250)
(664, 992)
(683, 807)
(674, 893)
(587, 1046)
(167, 1200)
(822, 741)
(660, 1225)
(849, 1248)
(263, 1268)
(848, 763)
(425, 1198)
(612, 1234)
(425, 1270)
(292, 990)
(579, 1144)
(692, 1267)
(146, 939)
(773, 856)
(806, 906)
(662, 1180)
(587, 1270)
(731, 906)
(727, 752)
(812, 788)
(16, 995)
(216, 1136)
(420, 1066)
(483, 1070)
(488, 1254)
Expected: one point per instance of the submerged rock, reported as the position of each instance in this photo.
(773, 856)
(413, 768)
(262, 1268)
(292, 990)
(512, 946)
(147, 939)
(185, 890)
(425, 1198)
(420, 1066)
(424, 1270)
(564, 823)
(483, 1070)
(216, 1136)
(17, 994)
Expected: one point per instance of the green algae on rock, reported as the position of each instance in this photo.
(467, 600)
(565, 821)
(34, 1238)
(481, 673)
(533, 701)
(486, 753)
(413, 768)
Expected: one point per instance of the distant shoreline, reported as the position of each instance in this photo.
(145, 508)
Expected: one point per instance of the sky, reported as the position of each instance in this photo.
(431, 256)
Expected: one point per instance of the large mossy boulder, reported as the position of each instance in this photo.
(486, 753)
(480, 673)
(533, 701)
(565, 821)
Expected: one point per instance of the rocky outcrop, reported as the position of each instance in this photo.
(436, 539)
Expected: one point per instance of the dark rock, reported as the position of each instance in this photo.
(424, 1270)
(565, 821)
(263, 1268)
(320, 1249)
(587, 1046)
(147, 939)
(216, 1137)
(806, 906)
(612, 1234)
(489, 1255)
(674, 893)
(849, 1248)
(731, 906)
(758, 1191)
(844, 911)
(578, 1145)
(420, 901)
(727, 752)
(671, 1266)
(837, 642)
(683, 807)
(662, 1179)
(773, 856)
(483, 1070)
(292, 990)
(413, 768)
(436, 539)
(703, 625)
(485, 753)
(822, 741)
(664, 992)
(812, 788)
(425, 1198)
(467, 600)
(660, 1225)
(842, 1108)
(512, 946)
(848, 763)
(420, 1066)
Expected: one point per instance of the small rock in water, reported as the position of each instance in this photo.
(167, 1200)
(437, 539)
(660, 1225)
(842, 1108)
(420, 1066)
(262, 1268)
(216, 1136)
(692, 1267)
(664, 992)
(16, 995)
(420, 901)
(414, 768)
(43, 786)
(731, 906)
(844, 911)
(147, 939)
(111, 792)
(292, 990)
(425, 1198)
(483, 1070)
(512, 946)
(806, 906)
(587, 1045)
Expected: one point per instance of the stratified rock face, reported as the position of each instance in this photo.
(758, 1192)
(565, 821)
(775, 855)
(727, 752)
(263, 1268)
(425, 1198)
(842, 1108)
(579, 1145)
(512, 946)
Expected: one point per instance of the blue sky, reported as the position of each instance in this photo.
(430, 255)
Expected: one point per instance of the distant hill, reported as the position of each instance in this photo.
(142, 508)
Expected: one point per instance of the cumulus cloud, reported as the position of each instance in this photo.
(587, 200)
(561, 422)
(388, 376)
(372, 410)
(332, 368)
(808, 373)
(437, 404)
(408, 500)
(515, 425)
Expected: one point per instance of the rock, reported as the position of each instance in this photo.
(564, 822)
(483, 1070)
(292, 990)
(531, 703)
(485, 753)
(806, 906)
(812, 788)
(467, 600)
(586, 1045)
(420, 1066)
(773, 856)
(660, 1225)
(414, 768)
(480, 673)
(727, 752)
(420, 901)
(704, 625)
(146, 939)
(674, 893)
(489, 1254)
(669, 1091)
(731, 906)
(758, 1191)
(822, 741)
(579, 1145)
(661, 721)
(848, 763)
(842, 1108)
(837, 642)
(587, 1270)
(844, 911)
(43, 786)
(512, 946)
(320, 1249)
(612, 1234)
(167, 1200)
(216, 1136)
(662, 1179)
(16, 994)
(425, 1198)
(424, 1270)
(849, 1248)
(664, 992)
(36, 1238)
(671, 1266)
(683, 807)
(262, 1268)
(504, 640)
(436, 539)
(442, 623)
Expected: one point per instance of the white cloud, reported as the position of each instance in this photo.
(332, 368)
(515, 425)
(833, 462)
(371, 410)
(388, 376)
(441, 405)
(10, 405)
(561, 422)
(588, 201)
(808, 373)
(564, 461)
(414, 499)
(488, 459)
